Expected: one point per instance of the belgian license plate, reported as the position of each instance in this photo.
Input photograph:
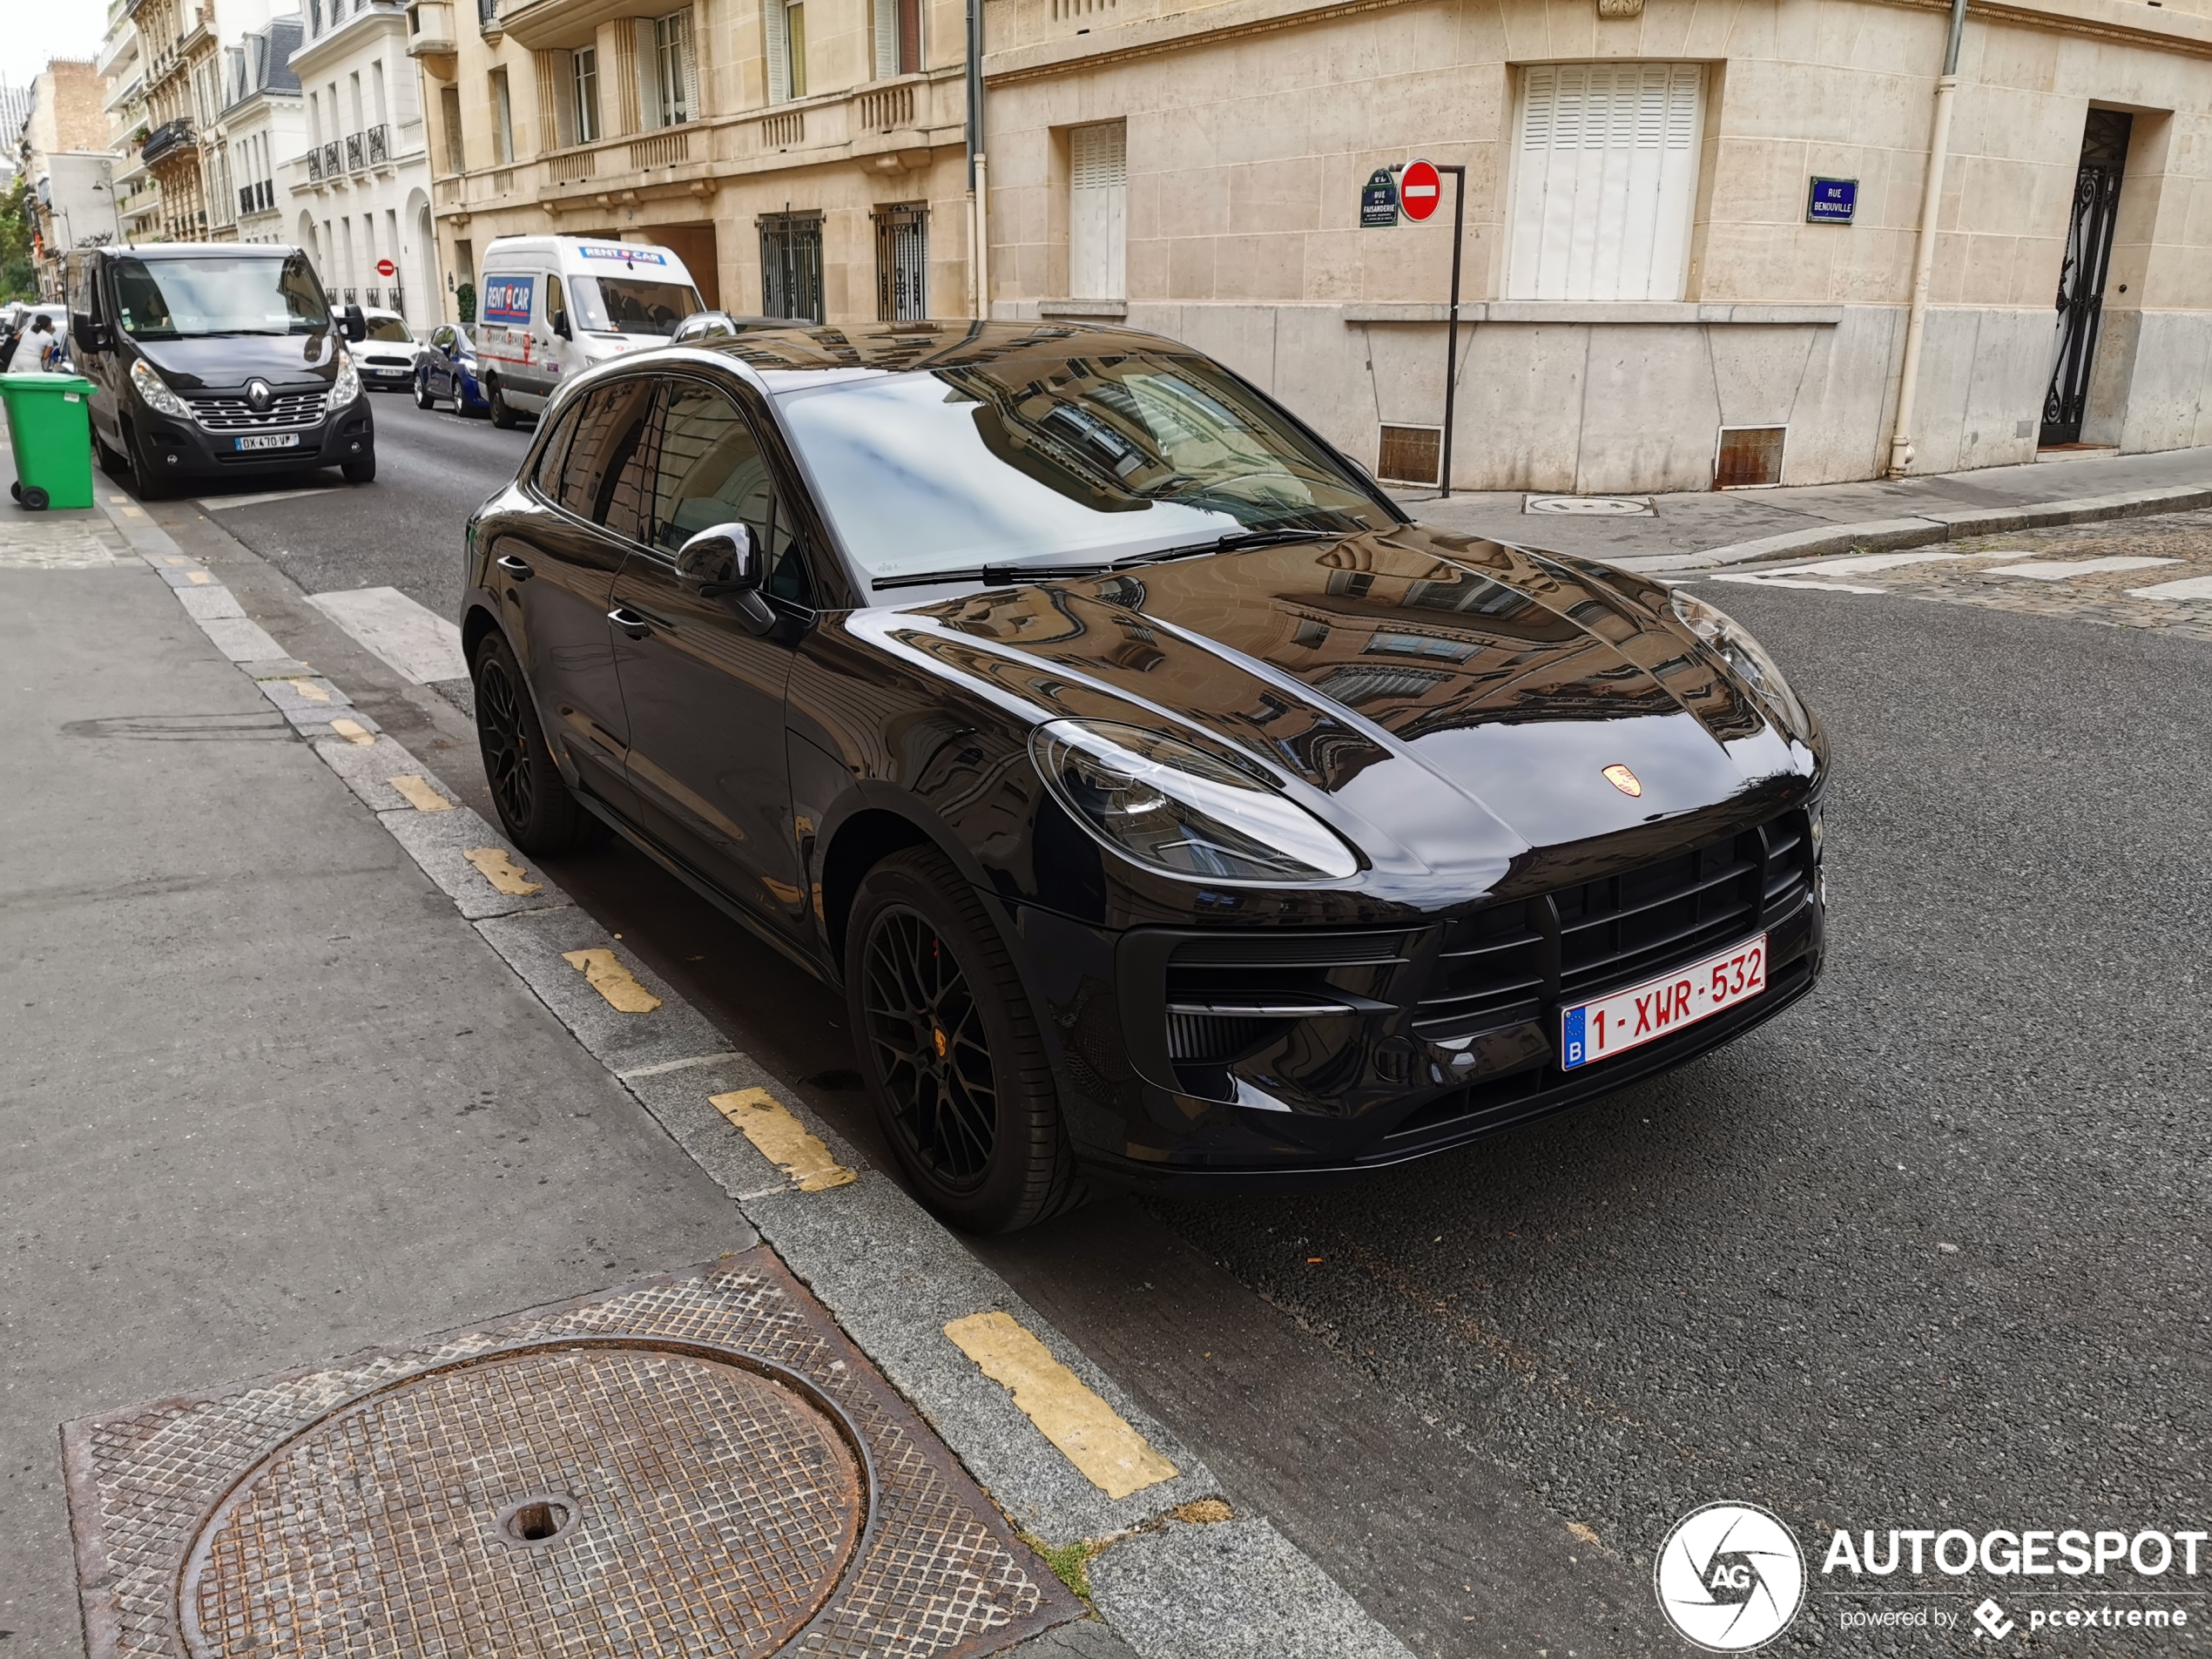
(270, 440)
(1628, 1019)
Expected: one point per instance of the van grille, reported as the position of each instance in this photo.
(235, 415)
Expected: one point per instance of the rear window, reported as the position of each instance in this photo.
(391, 329)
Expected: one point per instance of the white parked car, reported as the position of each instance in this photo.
(386, 357)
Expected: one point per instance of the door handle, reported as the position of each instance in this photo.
(629, 622)
(517, 568)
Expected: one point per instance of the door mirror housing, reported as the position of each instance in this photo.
(356, 325)
(723, 562)
(91, 337)
(561, 327)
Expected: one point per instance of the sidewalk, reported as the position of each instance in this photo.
(310, 1063)
(1688, 532)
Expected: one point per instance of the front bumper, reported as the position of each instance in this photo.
(183, 448)
(1416, 1038)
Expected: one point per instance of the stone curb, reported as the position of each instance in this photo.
(1924, 530)
(888, 1271)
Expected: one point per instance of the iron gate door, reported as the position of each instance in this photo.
(902, 262)
(791, 266)
(2081, 277)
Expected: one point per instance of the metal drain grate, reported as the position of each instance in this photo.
(696, 1465)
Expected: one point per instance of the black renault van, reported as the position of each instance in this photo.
(216, 360)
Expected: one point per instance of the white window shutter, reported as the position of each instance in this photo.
(772, 14)
(650, 113)
(1098, 212)
(1605, 181)
(688, 58)
(886, 38)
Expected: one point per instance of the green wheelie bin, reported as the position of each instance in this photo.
(49, 423)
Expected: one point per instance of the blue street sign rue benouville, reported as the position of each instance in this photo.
(1832, 201)
(1378, 201)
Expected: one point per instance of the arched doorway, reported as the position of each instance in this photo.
(419, 265)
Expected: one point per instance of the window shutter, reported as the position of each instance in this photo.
(886, 38)
(1605, 181)
(771, 17)
(688, 59)
(647, 55)
(1097, 198)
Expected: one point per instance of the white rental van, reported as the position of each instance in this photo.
(550, 307)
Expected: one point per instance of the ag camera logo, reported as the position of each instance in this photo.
(1730, 1577)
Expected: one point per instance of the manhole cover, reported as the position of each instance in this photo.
(621, 1497)
(1588, 506)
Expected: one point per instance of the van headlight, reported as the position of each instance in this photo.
(1176, 808)
(347, 387)
(155, 391)
(1743, 654)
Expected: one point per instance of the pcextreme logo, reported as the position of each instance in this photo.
(1730, 1577)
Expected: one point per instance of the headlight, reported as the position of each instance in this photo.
(156, 392)
(1173, 808)
(348, 384)
(1745, 654)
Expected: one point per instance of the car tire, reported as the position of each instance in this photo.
(950, 1052)
(360, 471)
(145, 483)
(503, 416)
(422, 398)
(536, 808)
(112, 464)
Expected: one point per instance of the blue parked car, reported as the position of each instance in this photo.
(447, 368)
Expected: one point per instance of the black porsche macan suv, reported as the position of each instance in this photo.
(1167, 805)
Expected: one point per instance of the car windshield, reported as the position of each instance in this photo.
(1092, 457)
(391, 329)
(631, 306)
(188, 299)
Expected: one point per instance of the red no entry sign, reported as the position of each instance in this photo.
(385, 267)
(1420, 191)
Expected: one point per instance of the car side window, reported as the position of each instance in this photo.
(606, 478)
(556, 307)
(552, 459)
(712, 471)
(442, 337)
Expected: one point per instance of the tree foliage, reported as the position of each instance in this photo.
(19, 277)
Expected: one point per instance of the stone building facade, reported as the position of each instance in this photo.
(62, 151)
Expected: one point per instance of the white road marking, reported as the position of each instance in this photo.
(417, 642)
(667, 1066)
(217, 504)
(2058, 569)
(2189, 587)
(1793, 582)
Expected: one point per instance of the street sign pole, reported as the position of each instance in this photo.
(1451, 324)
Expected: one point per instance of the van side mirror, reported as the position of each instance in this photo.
(561, 326)
(91, 337)
(723, 562)
(356, 325)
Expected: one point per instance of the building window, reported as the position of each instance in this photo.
(584, 87)
(786, 50)
(1098, 212)
(898, 37)
(449, 117)
(1604, 181)
(791, 266)
(503, 121)
(902, 261)
(676, 70)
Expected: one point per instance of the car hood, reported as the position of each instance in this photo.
(1447, 701)
(224, 362)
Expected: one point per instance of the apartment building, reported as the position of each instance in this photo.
(259, 128)
(362, 188)
(805, 158)
(183, 74)
(61, 150)
(1691, 230)
(121, 69)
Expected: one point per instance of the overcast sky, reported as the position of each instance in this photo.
(38, 30)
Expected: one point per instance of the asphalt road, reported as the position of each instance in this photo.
(1926, 1251)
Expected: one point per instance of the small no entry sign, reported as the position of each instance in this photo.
(385, 268)
(1420, 191)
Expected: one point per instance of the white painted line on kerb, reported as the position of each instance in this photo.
(2189, 587)
(2058, 569)
(418, 643)
(217, 503)
(667, 1066)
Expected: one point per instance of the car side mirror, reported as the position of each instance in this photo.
(723, 562)
(356, 325)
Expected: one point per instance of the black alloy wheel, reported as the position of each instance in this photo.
(949, 1049)
(535, 807)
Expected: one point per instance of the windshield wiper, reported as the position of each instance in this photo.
(999, 576)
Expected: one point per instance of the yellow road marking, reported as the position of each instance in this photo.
(420, 793)
(174, 558)
(493, 864)
(352, 731)
(782, 1139)
(1108, 1452)
(611, 980)
(134, 512)
(199, 578)
(309, 690)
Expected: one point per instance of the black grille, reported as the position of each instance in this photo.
(236, 414)
(1228, 996)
